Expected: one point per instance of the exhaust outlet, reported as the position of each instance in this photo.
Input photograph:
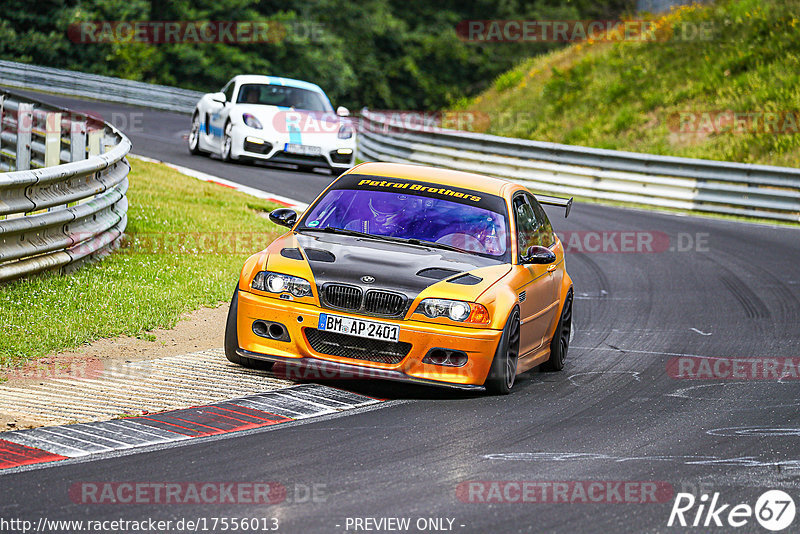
(270, 330)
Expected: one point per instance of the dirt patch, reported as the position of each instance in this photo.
(197, 331)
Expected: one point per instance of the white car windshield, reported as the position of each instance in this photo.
(282, 96)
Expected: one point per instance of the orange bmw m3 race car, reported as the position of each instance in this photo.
(411, 273)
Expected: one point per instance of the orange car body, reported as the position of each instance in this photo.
(538, 291)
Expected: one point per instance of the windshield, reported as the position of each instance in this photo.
(282, 96)
(404, 215)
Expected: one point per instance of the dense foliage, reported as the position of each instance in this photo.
(388, 54)
(722, 81)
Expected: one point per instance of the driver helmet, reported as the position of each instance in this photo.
(384, 209)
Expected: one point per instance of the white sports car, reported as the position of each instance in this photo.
(276, 120)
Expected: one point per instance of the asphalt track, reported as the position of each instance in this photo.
(614, 413)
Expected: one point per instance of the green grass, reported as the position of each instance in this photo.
(628, 95)
(187, 243)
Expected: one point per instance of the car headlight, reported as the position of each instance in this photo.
(251, 121)
(345, 131)
(455, 310)
(281, 283)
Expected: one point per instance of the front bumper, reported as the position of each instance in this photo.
(478, 343)
(272, 149)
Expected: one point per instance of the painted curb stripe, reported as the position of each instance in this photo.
(49, 444)
(14, 454)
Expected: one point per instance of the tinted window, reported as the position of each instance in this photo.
(282, 96)
(228, 90)
(437, 217)
(526, 224)
(533, 226)
(544, 228)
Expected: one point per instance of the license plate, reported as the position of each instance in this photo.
(306, 150)
(359, 327)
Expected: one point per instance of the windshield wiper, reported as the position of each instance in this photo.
(356, 233)
(342, 231)
(409, 240)
(434, 244)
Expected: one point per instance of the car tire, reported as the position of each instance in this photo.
(232, 340)
(194, 136)
(503, 371)
(559, 345)
(227, 144)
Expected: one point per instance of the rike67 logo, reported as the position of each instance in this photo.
(774, 510)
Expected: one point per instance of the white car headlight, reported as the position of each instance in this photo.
(345, 131)
(251, 121)
(281, 283)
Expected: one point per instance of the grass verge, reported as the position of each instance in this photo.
(187, 241)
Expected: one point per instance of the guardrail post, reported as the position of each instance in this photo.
(95, 142)
(24, 129)
(77, 140)
(52, 140)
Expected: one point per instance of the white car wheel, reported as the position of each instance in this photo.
(227, 143)
(194, 135)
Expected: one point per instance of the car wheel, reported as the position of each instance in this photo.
(503, 371)
(227, 143)
(194, 136)
(232, 340)
(559, 345)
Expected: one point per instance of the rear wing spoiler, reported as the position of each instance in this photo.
(556, 201)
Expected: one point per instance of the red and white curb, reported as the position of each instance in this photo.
(55, 443)
(253, 192)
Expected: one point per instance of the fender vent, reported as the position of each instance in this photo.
(316, 254)
(523, 296)
(466, 280)
(436, 273)
(292, 253)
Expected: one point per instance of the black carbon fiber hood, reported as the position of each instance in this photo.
(394, 266)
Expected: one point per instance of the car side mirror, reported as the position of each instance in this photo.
(283, 216)
(219, 97)
(342, 111)
(539, 255)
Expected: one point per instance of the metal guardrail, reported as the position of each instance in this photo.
(662, 181)
(689, 184)
(106, 88)
(63, 201)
